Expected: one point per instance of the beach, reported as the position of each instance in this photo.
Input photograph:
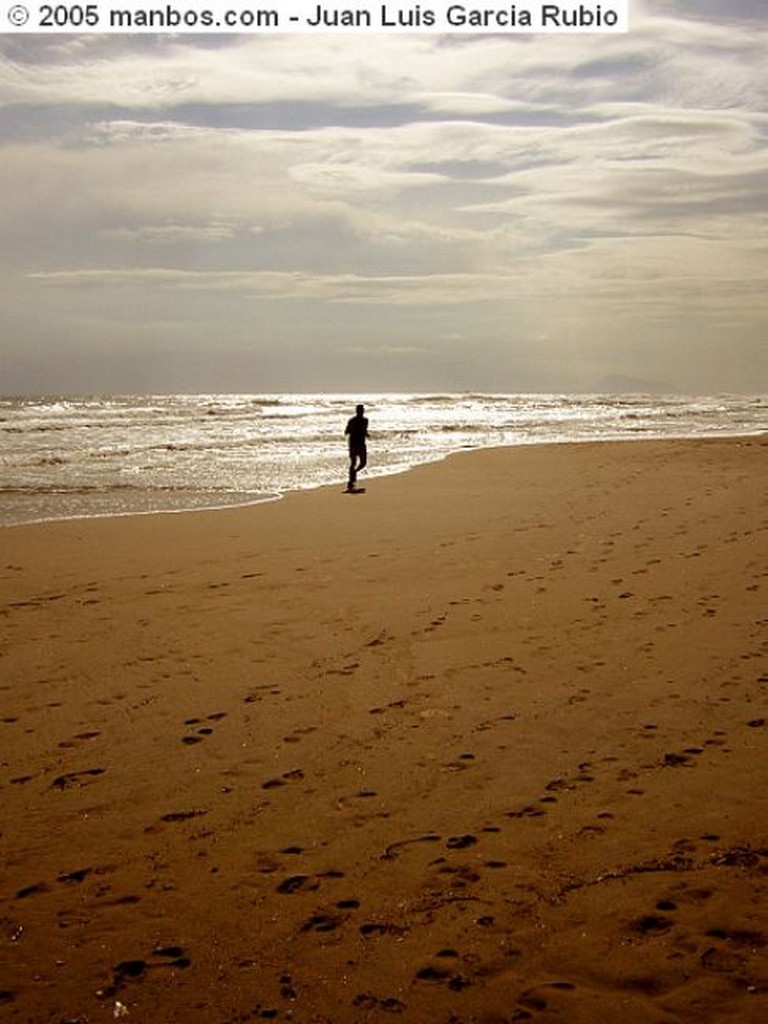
(486, 743)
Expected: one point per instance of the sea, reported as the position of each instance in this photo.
(64, 457)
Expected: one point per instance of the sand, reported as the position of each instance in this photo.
(486, 743)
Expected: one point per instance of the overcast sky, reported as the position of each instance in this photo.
(411, 212)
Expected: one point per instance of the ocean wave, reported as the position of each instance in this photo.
(112, 451)
(111, 488)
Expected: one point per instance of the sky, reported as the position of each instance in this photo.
(270, 213)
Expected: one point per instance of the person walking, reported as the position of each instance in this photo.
(357, 434)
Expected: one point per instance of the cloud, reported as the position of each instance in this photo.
(172, 234)
(519, 192)
(347, 288)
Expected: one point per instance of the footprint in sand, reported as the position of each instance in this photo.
(558, 784)
(675, 760)
(80, 778)
(78, 739)
(258, 693)
(380, 928)
(527, 812)
(460, 764)
(75, 876)
(461, 876)
(293, 776)
(321, 923)
(387, 707)
(485, 726)
(174, 816)
(443, 976)
(666, 905)
(297, 883)
(651, 924)
(461, 842)
(31, 890)
(535, 998)
(298, 734)
(393, 850)
(368, 1001)
(305, 883)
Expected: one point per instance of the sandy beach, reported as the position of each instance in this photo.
(486, 743)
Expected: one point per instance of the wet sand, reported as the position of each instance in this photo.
(486, 743)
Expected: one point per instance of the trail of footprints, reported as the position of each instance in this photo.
(447, 966)
(587, 771)
(456, 972)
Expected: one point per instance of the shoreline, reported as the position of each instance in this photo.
(486, 743)
(376, 475)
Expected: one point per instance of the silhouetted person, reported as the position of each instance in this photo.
(357, 434)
